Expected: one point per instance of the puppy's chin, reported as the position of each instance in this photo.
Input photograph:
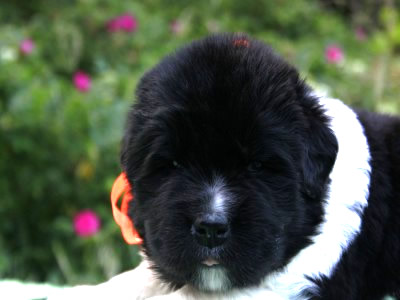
(212, 279)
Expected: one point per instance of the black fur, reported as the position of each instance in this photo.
(216, 109)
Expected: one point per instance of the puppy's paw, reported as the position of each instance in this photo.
(267, 295)
(173, 296)
(246, 294)
(254, 294)
(187, 293)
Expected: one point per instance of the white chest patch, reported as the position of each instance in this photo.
(349, 188)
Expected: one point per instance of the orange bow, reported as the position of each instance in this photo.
(122, 186)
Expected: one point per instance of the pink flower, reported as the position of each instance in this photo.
(176, 27)
(82, 81)
(26, 47)
(334, 54)
(86, 223)
(127, 23)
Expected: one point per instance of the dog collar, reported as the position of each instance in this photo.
(121, 187)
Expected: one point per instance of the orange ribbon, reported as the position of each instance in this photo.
(121, 187)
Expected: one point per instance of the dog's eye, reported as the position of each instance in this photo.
(255, 166)
(176, 164)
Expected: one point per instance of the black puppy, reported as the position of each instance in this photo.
(246, 180)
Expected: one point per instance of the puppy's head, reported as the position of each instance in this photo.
(228, 154)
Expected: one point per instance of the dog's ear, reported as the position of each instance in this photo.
(320, 148)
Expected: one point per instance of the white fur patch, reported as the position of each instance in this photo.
(218, 202)
(218, 196)
(213, 279)
(349, 188)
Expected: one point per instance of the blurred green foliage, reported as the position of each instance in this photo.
(59, 147)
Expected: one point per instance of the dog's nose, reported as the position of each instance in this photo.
(211, 230)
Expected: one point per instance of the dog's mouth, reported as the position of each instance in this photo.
(209, 262)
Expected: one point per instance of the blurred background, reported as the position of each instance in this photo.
(68, 70)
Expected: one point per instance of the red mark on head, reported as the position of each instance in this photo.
(241, 43)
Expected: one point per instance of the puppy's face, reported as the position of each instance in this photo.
(223, 150)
